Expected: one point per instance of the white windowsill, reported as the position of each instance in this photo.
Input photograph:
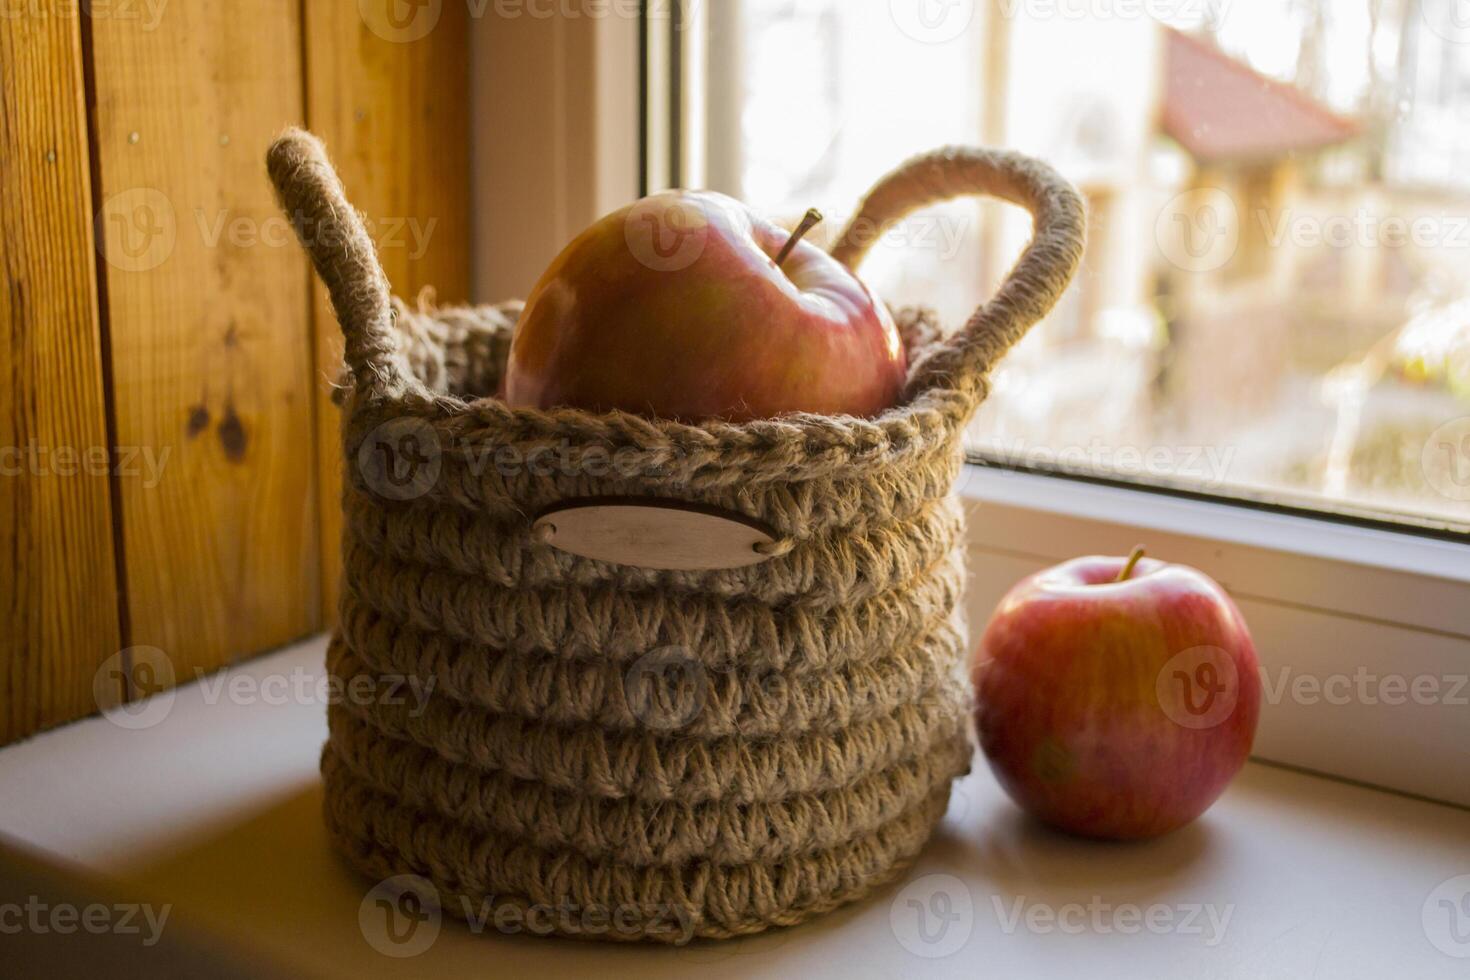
(216, 810)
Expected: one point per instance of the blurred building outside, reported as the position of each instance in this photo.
(1275, 300)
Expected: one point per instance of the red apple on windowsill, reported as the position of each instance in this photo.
(1116, 698)
(685, 305)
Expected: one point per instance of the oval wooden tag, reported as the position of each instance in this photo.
(650, 532)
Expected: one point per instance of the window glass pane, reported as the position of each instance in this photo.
(1275, 299)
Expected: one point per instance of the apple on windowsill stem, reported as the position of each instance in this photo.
(1116, 698)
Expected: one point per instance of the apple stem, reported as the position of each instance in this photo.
(1133, 557)
(808, 222)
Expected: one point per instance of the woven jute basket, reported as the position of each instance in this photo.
(638, 753)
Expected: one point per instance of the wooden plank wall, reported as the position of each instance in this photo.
(58, 593)
(196, 351)
(206, 310)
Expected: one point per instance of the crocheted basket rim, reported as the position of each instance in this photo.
(427, 335)
(416, 398)
(825, 444)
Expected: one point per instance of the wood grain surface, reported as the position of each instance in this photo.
(58, 590)
(207, 301)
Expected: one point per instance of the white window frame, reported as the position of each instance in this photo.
(1337, 611)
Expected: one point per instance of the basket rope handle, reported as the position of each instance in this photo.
(333, 234)
(1034, 283)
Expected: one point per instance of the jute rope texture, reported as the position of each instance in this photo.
(725, 750)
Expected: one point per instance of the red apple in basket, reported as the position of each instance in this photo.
(686, 305)
(1116, 697)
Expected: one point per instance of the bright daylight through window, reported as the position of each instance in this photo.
(1275, 301)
